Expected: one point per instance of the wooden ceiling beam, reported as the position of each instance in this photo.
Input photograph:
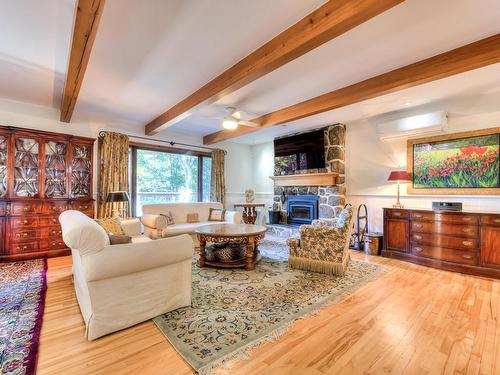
(469, 57)
(332, 19)
(88, 14)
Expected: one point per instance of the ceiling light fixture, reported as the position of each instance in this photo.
(229, 123)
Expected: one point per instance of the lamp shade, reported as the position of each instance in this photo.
(399, 176)
(118, 196)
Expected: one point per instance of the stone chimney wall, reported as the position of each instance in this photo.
(331, 198)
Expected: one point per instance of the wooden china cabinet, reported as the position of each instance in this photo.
(41, 175)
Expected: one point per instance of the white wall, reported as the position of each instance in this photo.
(24, 115)
(369, 162)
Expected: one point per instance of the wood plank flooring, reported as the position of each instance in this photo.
(412, 320)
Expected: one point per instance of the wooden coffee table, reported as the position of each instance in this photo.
(247, 234)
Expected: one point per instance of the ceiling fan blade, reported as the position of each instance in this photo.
(248, 123)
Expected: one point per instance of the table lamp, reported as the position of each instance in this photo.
(399, 176)
(118, 197)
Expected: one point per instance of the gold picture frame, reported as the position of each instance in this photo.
(447, 191)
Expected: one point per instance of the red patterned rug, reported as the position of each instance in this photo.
(22, 301)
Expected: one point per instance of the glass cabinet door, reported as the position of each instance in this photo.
(81, 160)
(26, 160)
(3, 165)
(55, 169)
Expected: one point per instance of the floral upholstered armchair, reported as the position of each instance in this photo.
(323, 248)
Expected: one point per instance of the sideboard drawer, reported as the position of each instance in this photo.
(52, 244)
(445, 241)
(23, 234)
(449, 255)
(445, 217)
(446, 229)
(54, 207)
(24, 247)
(397, 214)
(51, 232)
(490, 220)
(24, 208)
(2, 209)
(46, 221)
(24, 222)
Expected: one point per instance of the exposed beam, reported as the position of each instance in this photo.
(332, 19)
(87, 18)
(472, 56)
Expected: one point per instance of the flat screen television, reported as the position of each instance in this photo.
(301, 152)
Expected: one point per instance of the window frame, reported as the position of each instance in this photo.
(133, 146)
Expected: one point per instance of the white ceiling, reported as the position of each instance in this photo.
(150, 54)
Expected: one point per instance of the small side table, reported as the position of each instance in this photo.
(249, 211)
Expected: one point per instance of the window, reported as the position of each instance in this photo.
(159, 176)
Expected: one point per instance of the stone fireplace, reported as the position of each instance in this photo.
(331, 198)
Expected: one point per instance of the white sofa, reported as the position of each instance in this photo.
(118, 286)
(155, 225)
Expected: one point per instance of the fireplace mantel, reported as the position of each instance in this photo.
(306, 179)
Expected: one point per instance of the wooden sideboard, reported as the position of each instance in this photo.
(467, 242)
(41, 175)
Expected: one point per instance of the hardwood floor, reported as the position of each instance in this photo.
(412, 320)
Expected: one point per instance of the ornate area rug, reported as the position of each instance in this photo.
(236, 310)
(22, 301)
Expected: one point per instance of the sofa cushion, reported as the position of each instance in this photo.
(119, 239)
(169, 218)
(180, 210)
(216, 214)
(184, 228)
(111, 225)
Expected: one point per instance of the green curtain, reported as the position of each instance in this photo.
(113, 151)
(217, 182)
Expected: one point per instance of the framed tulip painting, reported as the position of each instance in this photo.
(461, 163)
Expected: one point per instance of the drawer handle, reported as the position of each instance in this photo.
(56, 232)
(418, 225)
(25, 221)
(467, 256)
(467, 243)
(418, 249)
(496, 220)
(22, 248)
(467, 230)
(26, 208)
(25, 234)
(417, 237)
(417, 216)
(396, 213)
(56, 243)
(466, 219)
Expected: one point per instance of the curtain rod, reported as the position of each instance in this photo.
(171, 143)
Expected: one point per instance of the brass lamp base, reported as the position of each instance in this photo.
(398, 204)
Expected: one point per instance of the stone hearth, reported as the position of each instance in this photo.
(331, 198)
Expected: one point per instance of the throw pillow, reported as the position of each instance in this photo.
(169, 217)
(111, 225)
(192, 218)
(119, 240)
(216, 214)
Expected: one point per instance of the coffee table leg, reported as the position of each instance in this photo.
(250, 264)
(203, 243)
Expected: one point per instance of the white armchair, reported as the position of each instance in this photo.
(118, 286)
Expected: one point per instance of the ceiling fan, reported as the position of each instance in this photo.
(233, 119)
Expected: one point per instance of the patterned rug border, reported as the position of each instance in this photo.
(32, 360)
(33, 356)
(243, 353)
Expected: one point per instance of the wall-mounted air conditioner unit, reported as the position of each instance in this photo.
(429, 123)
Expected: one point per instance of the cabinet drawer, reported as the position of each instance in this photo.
(24, 222)
(21, 235)
(54, 207)
(490, 220)
(445, 218)
(45, 221)
(449, 255)
(51, 232)
(444, 228)
(23, 208)
(2, 209)
(52, 244)
(445, 241)
(24, 247)
(86, 207)
(397, 214)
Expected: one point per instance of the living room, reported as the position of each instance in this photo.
(234, 187)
